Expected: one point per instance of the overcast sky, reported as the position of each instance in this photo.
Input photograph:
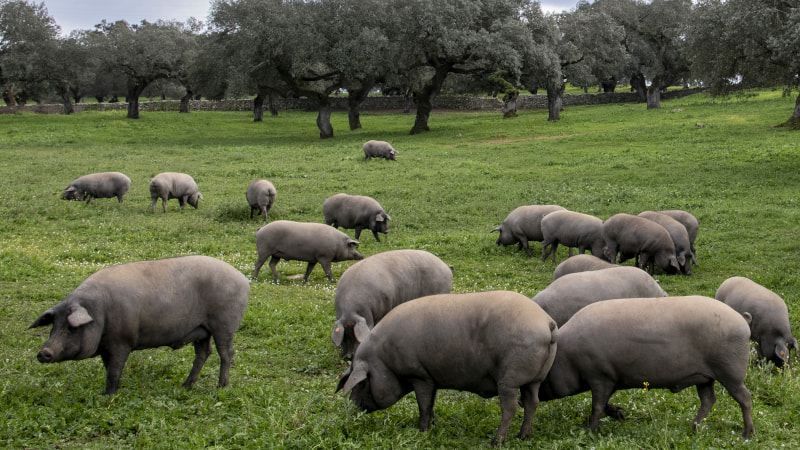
(85, 14)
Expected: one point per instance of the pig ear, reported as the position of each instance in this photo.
(79, 317)
(387, 217)
(352, 243)
(361, 330)
(500, 228)
(782, 351)
(338, 334)
(795, 346)
(379, 218)
(344, 378)
(357, 375)
(747, 317)
(674, 263)
(45, 319)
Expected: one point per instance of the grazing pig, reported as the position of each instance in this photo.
(356, 211)
(666, 343)
(580, 263)
(300, 241)
(369, 289)
(146, 304)
(260, 195)
(488, 343)
(633, 235)
(379, 149)
(572, 229)
(692, 226)
(565, 296)
(167, 185)
(98, 185)
(770, 328)
(524, 224)
(680, 238)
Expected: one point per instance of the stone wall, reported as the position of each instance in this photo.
(467, 103)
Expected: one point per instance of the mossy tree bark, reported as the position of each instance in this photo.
(794, 121)
(423, 98)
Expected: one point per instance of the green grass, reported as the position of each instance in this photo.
(449, 188)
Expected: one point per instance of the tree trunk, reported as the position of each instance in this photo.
(273, 110)
(66, 101)
(510, 104)
(134, 91)
(324, 121)
(555, 101)
(258, 108)
(8, 97)
(354, 101)
(185, 101)
(653, 96)
(423, 98)
(639, 85)
(794, 121)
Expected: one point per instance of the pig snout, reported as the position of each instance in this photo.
(45, 355)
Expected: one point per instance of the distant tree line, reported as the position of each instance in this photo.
(417, 48)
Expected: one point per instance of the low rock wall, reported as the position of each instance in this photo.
(467, 103)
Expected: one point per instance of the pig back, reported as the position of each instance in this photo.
(640, 335)
(165, 299)
(569, 293)
(375, 285)
(580, 263)
(467, 341)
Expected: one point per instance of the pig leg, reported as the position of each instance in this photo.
(326, 266)
(183, 199)
(523, 245)
(272, 263)
(264, 212)
(164, 204)
(375, 233)
(530, 401)
(358, 232)
(202, 349)
(114, 361)
(600, 396)
(707, 399)
(224, 346)
(426, 395)
(742, 396)
(310, 267)
(153, 205)
(259, 262)
(251, 212)
(508, 406)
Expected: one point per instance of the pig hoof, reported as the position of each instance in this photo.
(615, 412)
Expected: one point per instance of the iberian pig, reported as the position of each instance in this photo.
(664, 343)
(488, 343)
(356, 211)
(301, 241)
(580, 263)
(260, 196)
(524, 224)
(633, 235)
(379, 149)
(146, 304)
(571, 229)
(679, 235)
(770, 328)
(98, 185)
(692, 226)
(370, 288)
(167, 185)
(568, 294)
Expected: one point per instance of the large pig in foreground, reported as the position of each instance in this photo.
(524, 224)
(260, 196)
(146, 304)
(580, 263)
(666, 343)
(356, 211)
(370, 288)
(98, 185)
(770, 328)
(568, 294)
(301, 241)
(488, 343)
(167, 185)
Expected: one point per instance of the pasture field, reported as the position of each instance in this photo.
(724, 161)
